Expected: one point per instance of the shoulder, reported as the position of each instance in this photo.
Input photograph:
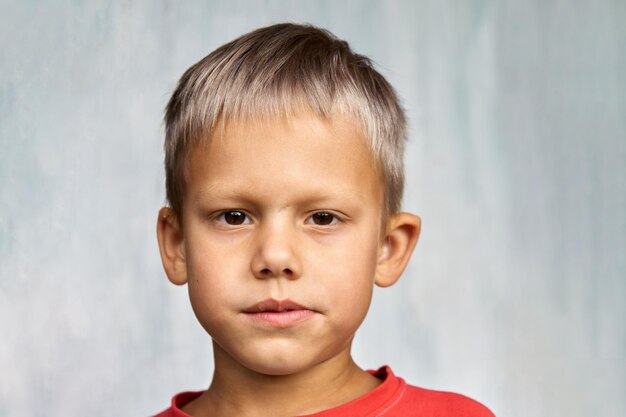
(421, 401)
(178, 401)
(396, 398)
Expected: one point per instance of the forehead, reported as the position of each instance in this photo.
(286, 156)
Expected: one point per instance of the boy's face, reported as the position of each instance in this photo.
(282, 237)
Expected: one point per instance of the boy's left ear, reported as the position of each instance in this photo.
(403, 230)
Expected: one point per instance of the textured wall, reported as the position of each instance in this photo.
(516, 164)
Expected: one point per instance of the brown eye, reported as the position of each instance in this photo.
(234, 218)
(323, 218)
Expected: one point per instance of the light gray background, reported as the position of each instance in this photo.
(516, 164)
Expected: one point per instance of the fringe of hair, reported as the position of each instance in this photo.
(274, 72)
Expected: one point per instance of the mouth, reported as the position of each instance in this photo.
(281, 314)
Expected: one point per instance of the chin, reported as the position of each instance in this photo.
(276, 365)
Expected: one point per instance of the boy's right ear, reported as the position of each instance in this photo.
(172, 246)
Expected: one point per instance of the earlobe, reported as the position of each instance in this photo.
(403, 230)
(171, 246)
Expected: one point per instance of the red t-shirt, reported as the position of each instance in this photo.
(392, 398)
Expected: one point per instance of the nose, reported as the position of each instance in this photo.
(276, 252)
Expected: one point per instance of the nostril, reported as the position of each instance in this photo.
(269, 272)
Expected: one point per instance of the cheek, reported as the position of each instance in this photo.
(210, 285)
(204, 303)
(352, 300)
(354, 259)
(208, 273)
(350, 277)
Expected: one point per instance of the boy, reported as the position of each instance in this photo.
(284, 176)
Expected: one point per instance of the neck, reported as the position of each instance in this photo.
(237, 390)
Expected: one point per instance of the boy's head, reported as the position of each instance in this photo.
(283, 155)
(278, 71)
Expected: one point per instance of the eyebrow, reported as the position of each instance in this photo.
(248, 196)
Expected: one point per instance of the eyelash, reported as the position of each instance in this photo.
(221, 218)
(334, 218)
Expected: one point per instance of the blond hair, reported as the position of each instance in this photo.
(276, 71)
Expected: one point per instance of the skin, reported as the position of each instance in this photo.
(284, 209)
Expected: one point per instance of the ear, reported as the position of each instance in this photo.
(402, 232)
(171, 246)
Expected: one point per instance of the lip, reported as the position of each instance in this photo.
(278, 313)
